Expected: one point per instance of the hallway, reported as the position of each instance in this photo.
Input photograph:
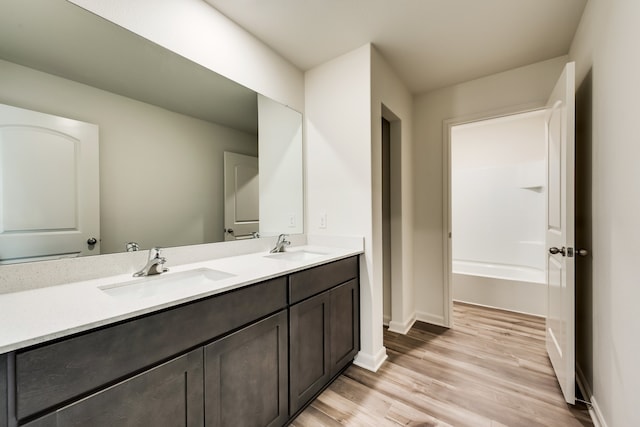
(490, 369)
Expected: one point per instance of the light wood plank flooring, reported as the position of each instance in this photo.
(490, 369)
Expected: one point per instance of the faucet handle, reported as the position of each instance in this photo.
(155, 252)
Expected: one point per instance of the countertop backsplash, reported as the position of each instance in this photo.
(35, 275)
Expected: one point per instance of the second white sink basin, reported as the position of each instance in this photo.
(300, 255)
(152, 286)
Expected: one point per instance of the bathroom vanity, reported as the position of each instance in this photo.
(252, 354)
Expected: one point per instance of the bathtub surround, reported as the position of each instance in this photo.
(497, 218)
(498, 188)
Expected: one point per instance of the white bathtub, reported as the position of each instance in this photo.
(515, 288)
(499, 271)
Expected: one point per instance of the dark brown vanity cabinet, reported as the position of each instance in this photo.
(248, 357)
(53, 374)
(324, 328)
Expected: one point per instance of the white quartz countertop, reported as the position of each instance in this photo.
(40, 315)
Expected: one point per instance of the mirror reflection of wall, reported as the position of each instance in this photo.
(280, 167)
(161, 172)
(164, 126)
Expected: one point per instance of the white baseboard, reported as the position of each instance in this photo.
(402, 327)
(386, 319)
(594, 409)
(430, 318)
(371, 362)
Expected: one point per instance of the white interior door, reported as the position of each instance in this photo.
(560, 332)
(241, 198)
(49, 186)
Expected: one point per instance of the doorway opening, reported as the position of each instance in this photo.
(386, 219)
(391, 221)
(497, 183)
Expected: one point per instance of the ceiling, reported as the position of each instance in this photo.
(429, 43)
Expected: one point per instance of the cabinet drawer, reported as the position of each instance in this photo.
(167, 395)
(55, 373)
(317, 279)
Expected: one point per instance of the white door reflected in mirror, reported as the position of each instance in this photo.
(49, 187)
(241, 198)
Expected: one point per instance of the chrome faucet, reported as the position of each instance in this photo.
(281, 244)
(155, 264)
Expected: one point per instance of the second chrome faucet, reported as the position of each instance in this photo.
(281, 244)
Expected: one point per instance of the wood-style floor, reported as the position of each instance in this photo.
(490, 369)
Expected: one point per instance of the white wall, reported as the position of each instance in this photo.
(507, 91)
(197, 31)
(607, 41)
(346, 99)
(391, 99)
(339, 175)
(280, 160)
(497, 191)
(161, 176)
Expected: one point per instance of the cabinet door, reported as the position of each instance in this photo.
(167, 395)
(345, 325)
(309, 329)
(246, 376)
(4, 393)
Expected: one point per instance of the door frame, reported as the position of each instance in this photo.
(447, 125)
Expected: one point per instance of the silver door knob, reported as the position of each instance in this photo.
(582, 252)
(92, 241)
(553, 250)
(228, 230)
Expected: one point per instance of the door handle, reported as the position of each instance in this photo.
(582, 252)
(553, 250)
(228, 230)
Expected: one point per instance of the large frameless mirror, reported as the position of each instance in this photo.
(164, 127)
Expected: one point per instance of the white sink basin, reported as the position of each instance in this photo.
(301, 255)
(152, 286)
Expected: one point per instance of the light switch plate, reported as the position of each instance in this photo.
(323, 219)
